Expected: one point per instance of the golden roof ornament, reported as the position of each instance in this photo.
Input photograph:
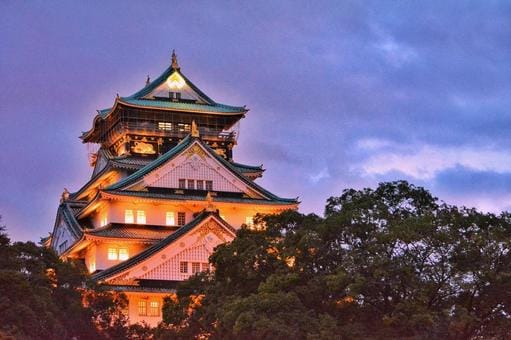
(209, 199)
(65, 195)
(195, 129)
(175, 65)
(148, 80)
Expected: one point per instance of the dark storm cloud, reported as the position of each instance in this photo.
(342, 94)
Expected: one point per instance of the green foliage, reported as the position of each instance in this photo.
(390, 262)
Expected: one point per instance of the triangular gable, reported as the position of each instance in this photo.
(66, 230)
(172, 80)
(192, 243)
(191, 159)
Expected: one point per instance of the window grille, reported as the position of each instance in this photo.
(183, 267)
(181, 218)
(128, 216)
(205, 267)
(195, 267)
(165, 126)
(154, 308)
(200, 185)
(209, 185)
(112, 254)
(169, 219)
(182, 184)
(142, 307)
(141, 217)
(191, 184)
(123, 254)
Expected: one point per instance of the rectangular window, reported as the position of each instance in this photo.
(142, 307)
(209, 185)
(112, 254)
(181, 218)
(191, 184)
(169, 218)
(183, 267)
(165, 126)
(195, 267)
(123, 254)
(183, 127)
(182, 184)
(128, 216)
(200, 185)
(154, 308)
(140, 217)
(205, 267)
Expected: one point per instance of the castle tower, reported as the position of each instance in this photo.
(164, 191)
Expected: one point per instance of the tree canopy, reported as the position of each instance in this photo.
(390, 262)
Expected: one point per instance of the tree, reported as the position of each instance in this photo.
(390, 262)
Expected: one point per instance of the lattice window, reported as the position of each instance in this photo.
(154, 308)
(183, 267)
(200, 184)
(169, 218)
(181, 218)
(209, 185)
(195, 267)
(205, 267)
(142, 307)
(191, 184)
(165, 126)
(128, 216)
(182, 183)
(112, 254)
(141, 217)
(123, 254)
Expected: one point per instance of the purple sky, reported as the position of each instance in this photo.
(341, 94)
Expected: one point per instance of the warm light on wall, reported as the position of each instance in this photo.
(141, 217)
(123, 254)
(170, 220)
(175, 81)
(128, 216)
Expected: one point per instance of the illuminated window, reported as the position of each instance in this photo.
(195, 267)
(140, 217)
(191, 184)
(183, 127)
(112, 254)
(205, 267)
(165, 126)
(170, 218)
(181, 218)
(142, 307)
(123, 254)
(183, 267)
(154, 308)
(249, 221)
(182, 184)
(200, 185)
(128, 216)
(209, 185)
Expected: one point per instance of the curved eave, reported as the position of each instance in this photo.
(119, 101)
(146, 197)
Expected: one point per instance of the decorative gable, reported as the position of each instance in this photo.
(175, 83)
(180, 258)
(194, 163)
(63, 238)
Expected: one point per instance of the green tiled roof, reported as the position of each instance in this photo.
(195, 197)
(180, 147)
(157, 247)
(142, 232)
(181, 106)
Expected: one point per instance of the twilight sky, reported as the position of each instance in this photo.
(341, 94)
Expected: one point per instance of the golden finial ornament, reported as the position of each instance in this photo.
(195, 129)
(148, 80)
(175, 65)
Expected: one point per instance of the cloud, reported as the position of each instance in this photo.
(426, 162)
(322, 174)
